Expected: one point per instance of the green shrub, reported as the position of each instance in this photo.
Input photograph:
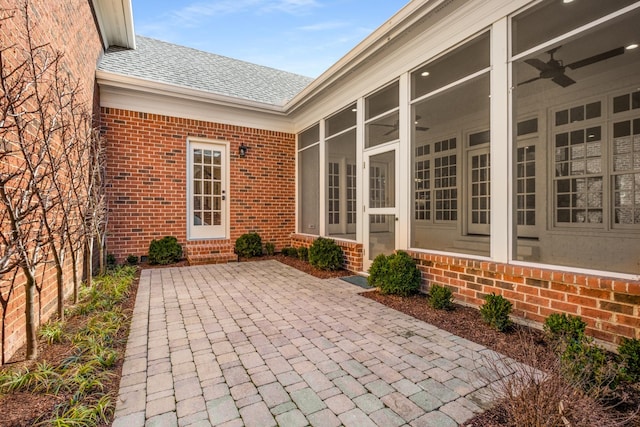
(303, 253)
(403, 277)
(289, 251)
(629, 350)
(269, 248)
(587, 366)
(132, 259)
(561, 328)
(378, 271)
(440, 297)
(495, 311)
(165, 251)
(325, 254)
(249, 245)
(111, 260)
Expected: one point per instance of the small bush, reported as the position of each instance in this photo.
(132, 259)
(325, 254)
(269, 248)
(629, 351)
(303, 253)
(587, 365)
(165, 251)
(563, 328)
(289, 251)
(378, 271)
(403, 277)
(495, 311)
(249, 245)
(440, 297)
(111, 260)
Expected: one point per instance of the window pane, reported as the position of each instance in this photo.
(463, 61)
(341, 121)
(309, 136)
(384, 100)
(550, 19)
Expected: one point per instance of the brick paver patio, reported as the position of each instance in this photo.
(262, 344)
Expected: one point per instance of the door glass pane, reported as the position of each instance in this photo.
(382, 184)
(382, 236)
(207, 187)
(480, 185)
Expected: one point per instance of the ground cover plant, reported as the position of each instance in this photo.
(75, 380)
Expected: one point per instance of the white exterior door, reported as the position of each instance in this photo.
(381, 203)
(207, 207)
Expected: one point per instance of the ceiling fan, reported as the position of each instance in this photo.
(554, 69)
(394, 127)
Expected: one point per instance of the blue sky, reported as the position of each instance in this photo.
(300, 36)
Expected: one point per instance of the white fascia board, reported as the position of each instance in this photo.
(115, 19)
(105, 78)
(193, 106)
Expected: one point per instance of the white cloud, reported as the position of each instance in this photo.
(324, 26)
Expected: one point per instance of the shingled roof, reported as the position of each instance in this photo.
(163, 62)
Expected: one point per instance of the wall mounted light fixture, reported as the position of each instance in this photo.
(242, 151)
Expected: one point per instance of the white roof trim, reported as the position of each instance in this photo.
(115, 19)
(105, 78)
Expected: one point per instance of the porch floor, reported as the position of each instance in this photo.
(263, 344)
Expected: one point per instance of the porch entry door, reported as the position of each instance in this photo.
(207, 195)
(381, 203)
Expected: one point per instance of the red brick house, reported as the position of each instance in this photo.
(498, 142)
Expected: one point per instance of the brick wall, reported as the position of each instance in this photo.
(68, 27)
(352, 251)
(610, 307)
(146, 173)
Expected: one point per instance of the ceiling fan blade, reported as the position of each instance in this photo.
(422, 128)
(384, 125)
(528, 81)
(563, 80)
(597, 58)
(538, 64)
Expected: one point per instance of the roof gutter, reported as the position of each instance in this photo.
(115, 21)
(110, 79)
(386, 33)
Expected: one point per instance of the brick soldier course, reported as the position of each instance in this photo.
(263, 344)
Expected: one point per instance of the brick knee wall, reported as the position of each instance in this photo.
(610, 307)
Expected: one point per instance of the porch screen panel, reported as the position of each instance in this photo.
(309, 182)
(340, 199)
(450, 104)
(583, 90)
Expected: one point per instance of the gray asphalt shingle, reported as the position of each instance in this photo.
(164, 62)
